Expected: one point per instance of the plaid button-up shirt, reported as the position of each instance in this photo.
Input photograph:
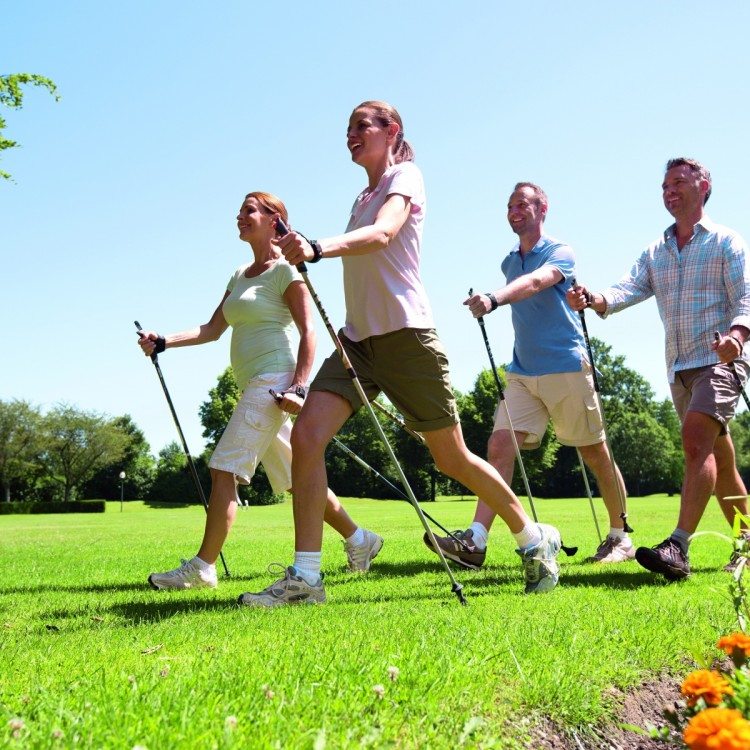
(703, 288)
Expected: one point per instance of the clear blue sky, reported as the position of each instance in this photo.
(127, 189)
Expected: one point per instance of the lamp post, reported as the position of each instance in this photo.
(122, 488)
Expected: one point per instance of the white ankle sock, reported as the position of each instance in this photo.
(307, 565)
(357, 538)
(480, 535)
(617, 533)
(201, 564)
(529, 536)
(682, 538)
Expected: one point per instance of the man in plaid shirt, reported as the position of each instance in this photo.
(697, 272)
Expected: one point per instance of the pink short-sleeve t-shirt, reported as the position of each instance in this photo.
(383, 290)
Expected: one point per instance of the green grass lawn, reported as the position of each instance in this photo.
(90, 656)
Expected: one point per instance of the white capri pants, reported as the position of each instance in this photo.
(258, 432)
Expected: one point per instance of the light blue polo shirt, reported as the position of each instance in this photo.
(548, 334)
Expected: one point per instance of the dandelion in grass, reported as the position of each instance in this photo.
(230, 722)
(379, 691)
(717, 729)
(393, 673)
(709, 685)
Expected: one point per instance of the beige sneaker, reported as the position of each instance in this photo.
(362, 555)
(187, 576)
(540, 566)
(613, 550)
(291, 589)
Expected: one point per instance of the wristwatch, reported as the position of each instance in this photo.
(300, 391)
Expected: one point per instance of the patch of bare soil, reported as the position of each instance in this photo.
(639, 708)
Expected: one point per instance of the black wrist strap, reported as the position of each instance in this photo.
(161, 345)
(317, 252)
(738, 340)
(492, 299)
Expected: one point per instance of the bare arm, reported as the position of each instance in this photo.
(210, 331)
(300, 306)
(521, 288)
(391, 217)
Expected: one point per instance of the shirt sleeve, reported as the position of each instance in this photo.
(631, 289)
(561, 257)
(407, 181)
(235, 276)
(286, 275)
(737, 280)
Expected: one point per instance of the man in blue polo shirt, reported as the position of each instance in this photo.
(549, 378)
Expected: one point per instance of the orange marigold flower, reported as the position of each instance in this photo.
(717, 729)
(709, 685)
(735, 641)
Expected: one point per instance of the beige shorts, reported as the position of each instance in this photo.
(567, 398)
(409, 365)
(258, 432)
(709, 390)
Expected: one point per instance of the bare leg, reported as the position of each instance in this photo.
(320, 419)
(453, 458)
(337, 518)
(729, 484)
(502, 455)
(597, 459)
(699, 435)
(222, 508)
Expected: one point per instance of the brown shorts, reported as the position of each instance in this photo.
(409, 366)
(709, 390)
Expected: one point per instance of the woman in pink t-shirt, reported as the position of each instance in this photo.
(390, 339)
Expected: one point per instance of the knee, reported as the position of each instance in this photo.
(306, 437)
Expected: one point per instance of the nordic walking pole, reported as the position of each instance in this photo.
(191, 463)
(501, 394)
(349, 452)
(623, 511)
(397, 420)
(456, 587)
(588, 493)
(418, 435)
(569, 551)
(717, 338)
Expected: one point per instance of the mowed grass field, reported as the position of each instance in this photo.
(90, 656)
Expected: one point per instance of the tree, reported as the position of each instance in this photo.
(11, 95)
(77, 444)
(137, 463)
(173, 482)
(214, 415)
(644, 452)
(20, 442)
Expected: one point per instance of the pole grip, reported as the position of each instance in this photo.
(282, 230)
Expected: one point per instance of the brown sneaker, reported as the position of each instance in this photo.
(460, 549)
(666, 558)
(741, 552)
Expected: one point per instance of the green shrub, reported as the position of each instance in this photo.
(33, 508)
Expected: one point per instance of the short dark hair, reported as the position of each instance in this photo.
(695, 167)
(541, 196)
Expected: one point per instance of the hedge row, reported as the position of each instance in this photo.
(74, 506)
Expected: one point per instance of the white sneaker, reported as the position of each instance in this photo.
(187, 576)
(360, 556)
(539, 565)
(291, 589)
(613, 550)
